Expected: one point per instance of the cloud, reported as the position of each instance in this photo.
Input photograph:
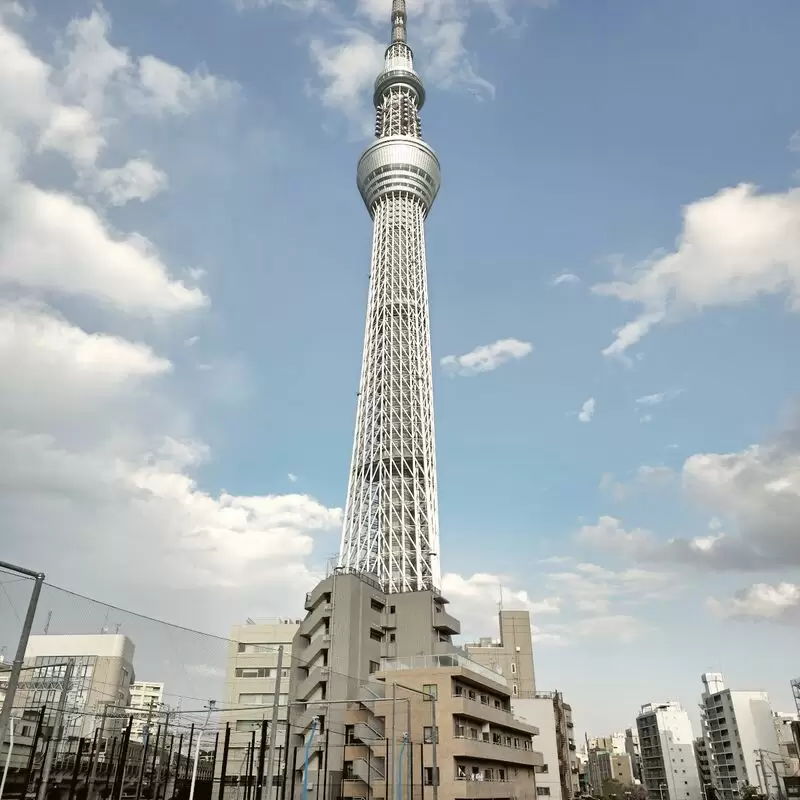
(586, 414)
(644, 476)
(96, 446)
(762, 602)
(347, 68)
(658, 398)
(476, 600)
(292, 477)
(598, 591)
(565, 277)
(486, 358)
(622, 627)
(735, 246)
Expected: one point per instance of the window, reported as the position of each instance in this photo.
(543, 791)
(374, 666)
(392, 609)
(430, 776)
(488, 775)
(461, 772)
(501, 774)
(247, 725)
(260, 647)
(431, 690)
(392, 637)
(376, 605)
(429, 734)
(513, 668)
(253, 672)
(349, 734)
(347, 771)
(375, 635)
(515, 689)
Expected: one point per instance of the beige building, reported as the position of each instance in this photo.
(510, 655)
(147, 702)
(101, 678)
(482, 750)
(250, 686)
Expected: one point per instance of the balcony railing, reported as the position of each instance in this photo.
(442, 661)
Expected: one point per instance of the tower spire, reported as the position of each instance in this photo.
(391, 519)
(399, 21)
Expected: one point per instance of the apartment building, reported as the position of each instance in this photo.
(703, 765)
(786, 762)
(437, 719)
(737, 726)
(147, 703)
(632, 749)
(251, 682)
(101, 678)
(666, 740)
(510, 655)
(559, 775)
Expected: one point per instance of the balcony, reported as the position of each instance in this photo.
(474, 709)
(315, 677)
(314, 619)
(486, 751)
(479, 790)
(315, 647)
(442, 621)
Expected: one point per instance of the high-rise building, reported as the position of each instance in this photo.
(703, 766)
(632, 749)
(101, 679)
(251, 683)
(147, 700)
(510, 655)
(391, 520)
(737, 726)
(666, 740)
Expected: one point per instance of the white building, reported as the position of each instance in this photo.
(147, 700)
(101, 677)
(789, 762)
(666, 742)
(250, 685)
(739, 731)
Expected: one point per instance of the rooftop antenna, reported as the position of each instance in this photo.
(47, 624)
(500, 604)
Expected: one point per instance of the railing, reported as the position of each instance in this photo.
(459, 692)
(442, 661)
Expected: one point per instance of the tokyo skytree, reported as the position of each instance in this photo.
(391, 521)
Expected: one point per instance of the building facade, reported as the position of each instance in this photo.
(559, 774)
(510, 655)
(703, 766)
(450, 724)
(666, 740)
(147, 703)
(101, 679)
(251, 683)
(737, 726)
(632, 749)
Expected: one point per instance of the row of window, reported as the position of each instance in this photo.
(256, 699)
(260, 672)
(262, 647)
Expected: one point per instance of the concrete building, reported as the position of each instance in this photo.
(787, 731)
(101, 678)
(703, 766)
(481, 749)
(351, 625)
(737, 725)
(632, 749)
(510, 655)
(560, 771)
(250, 685)
(669, 769)
(607, 766)
(147, 702)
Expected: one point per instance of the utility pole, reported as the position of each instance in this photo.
(19, 658)
(145, 742)
(56, 734)
(273, 730)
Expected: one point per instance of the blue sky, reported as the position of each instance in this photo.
(183, 277)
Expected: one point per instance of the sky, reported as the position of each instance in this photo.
(614, 268)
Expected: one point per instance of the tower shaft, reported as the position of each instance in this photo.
(391, 523)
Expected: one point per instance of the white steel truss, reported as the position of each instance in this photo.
(391, 523)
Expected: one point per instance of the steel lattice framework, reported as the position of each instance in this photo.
(391, 523)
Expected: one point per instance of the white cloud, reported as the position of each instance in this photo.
(292, 477)
(565, 277)
(95, 448)
(486, 358)
(347, 69)
(657, 398)
(622, 627)
(477, 598)
(734, 247)
(137, 179)
(586, 414)
(762, 602)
